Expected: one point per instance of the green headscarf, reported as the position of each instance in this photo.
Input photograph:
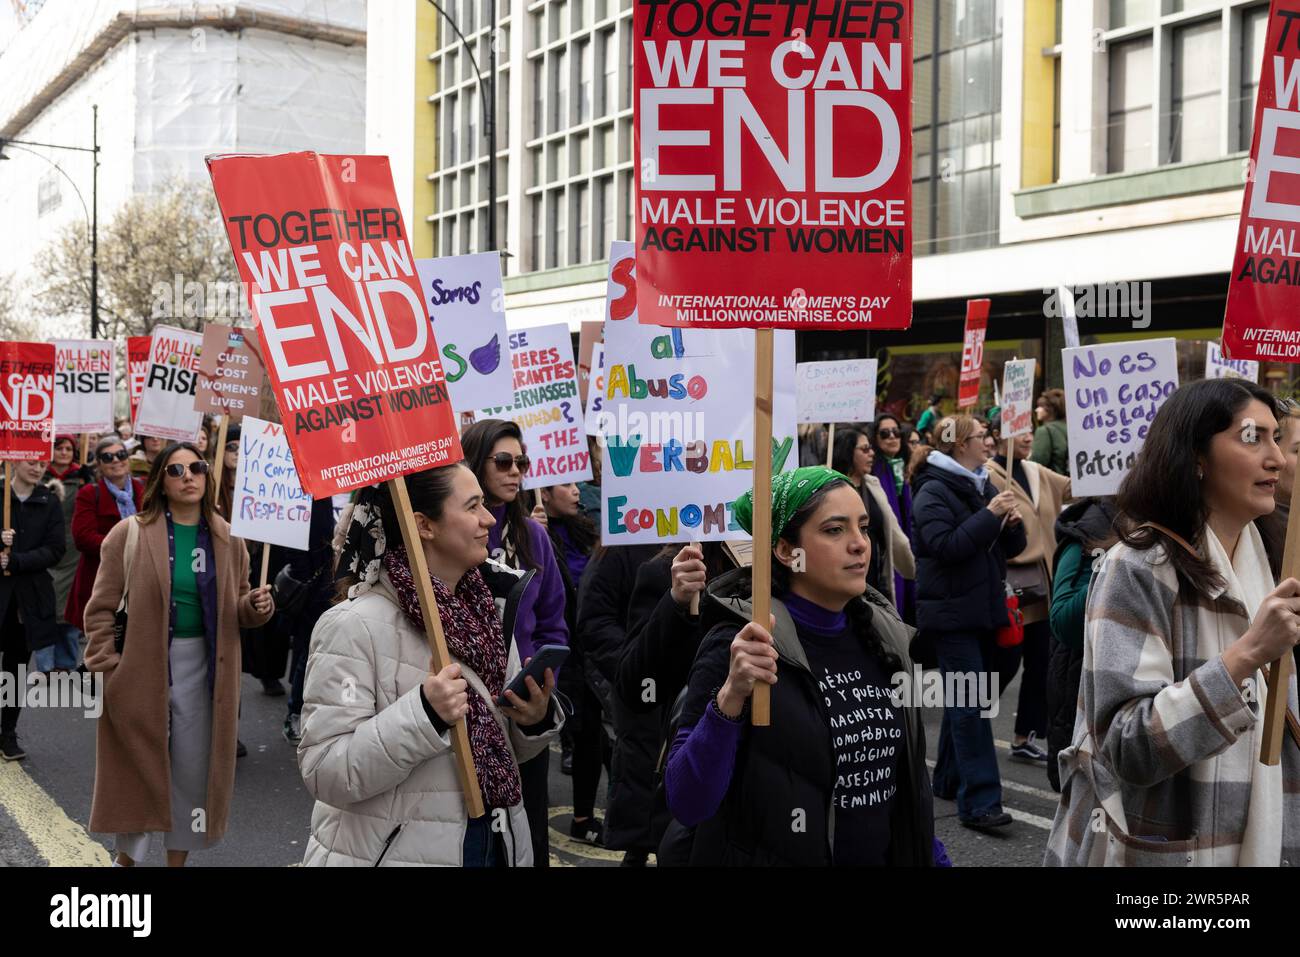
(790, 491)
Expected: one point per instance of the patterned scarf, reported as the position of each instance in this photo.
(473, 632)
(124, 497)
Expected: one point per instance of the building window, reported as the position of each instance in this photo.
(603, 216)
(1128, 13)
(471, 124)
(957, 112)
(555, 254)
(453, 123)
(539, 108)
(1254, 25)
(584, 81)
(559, 20)
(559, 90)
(535, 214)
(582, 217)
(1195, 94)
(1131, 117)
(609, 64)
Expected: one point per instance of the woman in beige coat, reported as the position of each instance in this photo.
(165, 751)
(891, 552)
(1040, 495)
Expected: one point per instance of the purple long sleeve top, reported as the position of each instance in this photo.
(540, 619)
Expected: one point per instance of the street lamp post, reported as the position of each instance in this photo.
(487, 94)
(94, 202)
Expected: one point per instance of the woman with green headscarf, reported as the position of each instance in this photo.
(839, 776)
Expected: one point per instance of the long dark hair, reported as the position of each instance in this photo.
(781, 575)
(1162, 487)
(154, 501)
(477, 443)
(428, 492)
(846, 443)
(875, 433)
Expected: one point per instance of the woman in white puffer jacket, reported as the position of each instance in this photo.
(376, 749)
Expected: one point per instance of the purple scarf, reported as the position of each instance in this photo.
(473, 632)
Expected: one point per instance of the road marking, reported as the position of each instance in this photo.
(1028, 818)
(1050, 796)
(57, 838)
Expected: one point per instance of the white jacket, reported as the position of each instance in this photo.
(370, 755)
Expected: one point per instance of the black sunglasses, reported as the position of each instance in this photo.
(121, 455)
(232, 446)
(503, 460)
(888, 433)
(176, 469)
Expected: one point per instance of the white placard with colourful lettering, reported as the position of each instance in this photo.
(546, 406)
(83, 385)
(269, 504)
(595, 388)
(839, 391)
(1218, 367)
(1017, 409)
(678, 423)
(1112, 393)
(467, 308)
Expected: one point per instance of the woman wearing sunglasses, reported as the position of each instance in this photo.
(890, 468)
(99, 506)
(165, 754)
(494, 450)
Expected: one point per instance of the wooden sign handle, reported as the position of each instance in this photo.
(1279, 674)
(266, 562)
(830, 445)
(8, 493)
(695, 598)
(85, 447)
(220, 457)
(437, 642)
(761, 703)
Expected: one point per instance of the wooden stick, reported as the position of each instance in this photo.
(830, 444)
(695, 598)
(1279, 674)
(437, 643)
(761, 705)
(85, 446)
(8, 493)
(266, 560)
(219, 459)
(537, 499)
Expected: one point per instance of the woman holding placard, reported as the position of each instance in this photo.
(376, 748)
(494, 450)
(839, 778)
(71, 476)
(1040, 494)
(163, 623)
(964, 530)
(1182, 621)
(891, 552)
(890, 469)
(99, 506)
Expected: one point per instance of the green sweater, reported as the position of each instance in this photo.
(1070, 595)
(185, 585)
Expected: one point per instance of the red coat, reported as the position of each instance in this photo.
(93, 517)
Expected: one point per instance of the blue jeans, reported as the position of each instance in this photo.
(62, 654)
(967, 762)
(482, 846)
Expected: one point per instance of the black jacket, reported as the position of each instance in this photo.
(1086, 521)
(960, 548)
(791, 763)
(605, 620)
(656, 660)
(38, 546)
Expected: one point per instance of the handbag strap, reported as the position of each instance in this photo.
(1172, 534)
(128, 557)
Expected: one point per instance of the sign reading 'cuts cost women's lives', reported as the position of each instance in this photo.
(775, 144)
(344, 331)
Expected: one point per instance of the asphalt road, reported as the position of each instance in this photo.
(45, 800)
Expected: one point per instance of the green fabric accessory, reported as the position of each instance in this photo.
(790, 491)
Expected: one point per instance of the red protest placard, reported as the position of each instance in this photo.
(775, 145)
(27, 401)
(972, 351)
(1262, 318)
(137, 367)
(344, 332)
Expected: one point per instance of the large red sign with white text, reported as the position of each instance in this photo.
(27, 401)
(1262, 318)
(775, 176)
(972, 351)
(343, 328)
(137, 367)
